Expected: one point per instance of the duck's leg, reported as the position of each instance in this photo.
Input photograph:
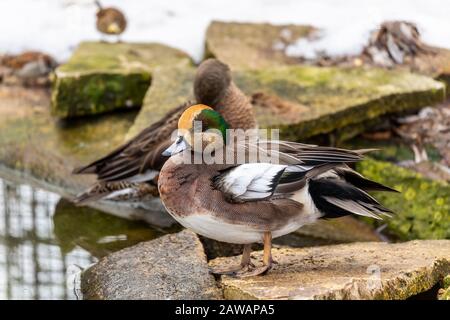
(244, 265)
(267, 259)
(245, 261)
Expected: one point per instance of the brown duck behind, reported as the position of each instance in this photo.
(110, 20)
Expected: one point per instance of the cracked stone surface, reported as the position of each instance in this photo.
(171, 267)
(370, 270)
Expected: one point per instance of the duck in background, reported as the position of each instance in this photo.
(130, 172)
(395, 43)
(255, 201)
(110, 21)
(29, 68)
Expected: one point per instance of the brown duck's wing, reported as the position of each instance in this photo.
(119, 190)
(140, 154)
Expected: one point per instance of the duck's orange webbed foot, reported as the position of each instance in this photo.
(230, 271)
(267, 260)
(244, 266)
(251, 272)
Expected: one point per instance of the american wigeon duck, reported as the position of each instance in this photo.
(122, 172)
(110, 21)
(247, 201)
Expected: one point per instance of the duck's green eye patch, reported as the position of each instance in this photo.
(212, 120)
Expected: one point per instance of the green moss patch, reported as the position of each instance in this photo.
(422, 209)
(101, 77)
(305, 101)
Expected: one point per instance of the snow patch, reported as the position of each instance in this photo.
(54, 27)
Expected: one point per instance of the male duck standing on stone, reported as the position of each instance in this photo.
(129, 173)
(286, 186)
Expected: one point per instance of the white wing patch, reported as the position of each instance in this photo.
(298, 168)
(251, 181)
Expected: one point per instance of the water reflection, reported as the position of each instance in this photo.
(44, 239)
(96, 232)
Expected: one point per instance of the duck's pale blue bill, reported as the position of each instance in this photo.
(178, 146)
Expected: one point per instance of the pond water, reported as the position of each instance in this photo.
(45, 242)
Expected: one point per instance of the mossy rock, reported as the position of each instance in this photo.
(444, 292)
(171, 267)
(36, 145)
(305, 101)
(101, 77)
(252, 45)
(422, 209)
(435, 65)
(171, 86)
(262, 45)
(361, 270)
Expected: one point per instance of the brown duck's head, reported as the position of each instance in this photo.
(211, 82)
(199, 127)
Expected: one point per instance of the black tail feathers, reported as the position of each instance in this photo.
(336, 198)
